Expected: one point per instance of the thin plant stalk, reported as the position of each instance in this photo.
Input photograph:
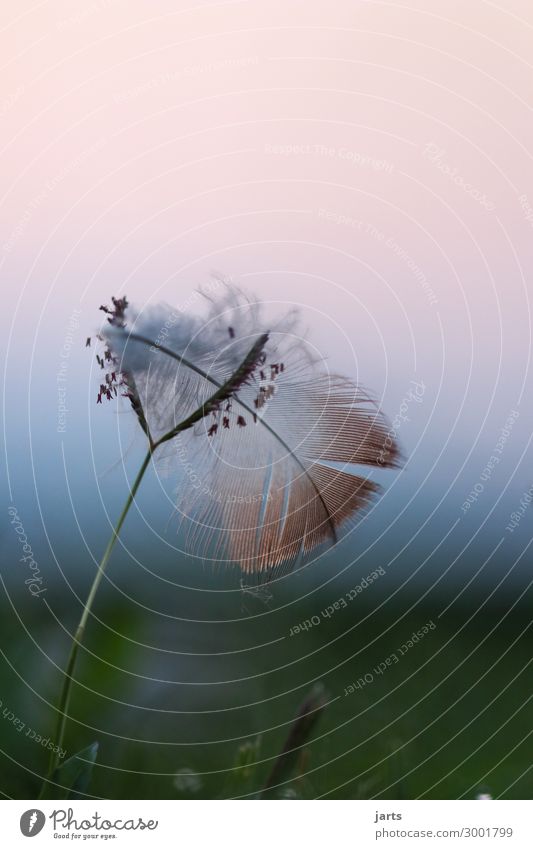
(211, 404)
(80, 630)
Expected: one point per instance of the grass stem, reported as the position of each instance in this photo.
(80, 630)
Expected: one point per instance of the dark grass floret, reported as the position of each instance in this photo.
(116, 379)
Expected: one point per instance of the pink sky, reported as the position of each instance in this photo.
(368, 160)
